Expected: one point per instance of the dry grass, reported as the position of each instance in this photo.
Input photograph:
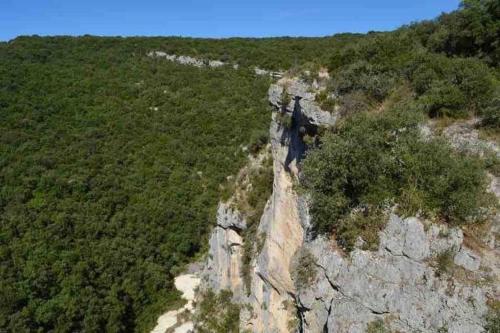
(490, 134)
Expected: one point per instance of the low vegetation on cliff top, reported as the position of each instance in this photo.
(377, 157)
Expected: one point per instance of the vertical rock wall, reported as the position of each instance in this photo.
(398, 284)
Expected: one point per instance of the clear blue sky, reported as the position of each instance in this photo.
(210, 18)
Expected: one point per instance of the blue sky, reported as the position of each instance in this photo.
(210, 18)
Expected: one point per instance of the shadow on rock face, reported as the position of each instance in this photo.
(300, 127)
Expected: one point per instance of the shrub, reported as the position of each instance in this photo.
(325, 101)
(365, 77)
(376, 326)
(444, 99)
(444, 262)
(354, 102)
(217, 314)
(258, 139)
(491, 115)
(373, 160)
(304, 268)
(285, 99)
(492, 164)
(449, 86)
(284, 119)
(261, 180)
(493, 317)
(363, 223)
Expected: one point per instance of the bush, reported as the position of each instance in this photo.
(491, 115)
(375, 160)
(216, 313)
(444, 100)
(304, 268)
(325, 101)
(261, 180)
(364, 77)
(493, 317)
(363, 223)
(354, 102)
(376, 326)
(258, 139)
(444, 262)
(284, 119)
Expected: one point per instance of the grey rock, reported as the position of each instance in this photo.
(467, 259)
(395, 282)
(306, 100)
(189, 61)
(228, 217)
(442, 238)
(405, 237)
(464, 137)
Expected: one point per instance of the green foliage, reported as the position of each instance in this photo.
(284, 119)
(304, 270)
(450, 87)
(354, 102)
(491, 115)
(445, 60)
(217, 314)
(258, 139)
(493, 317)
(471, 31)
(325, 101)
(443, 99)
(376, 159)
(365, 223)
(109, 177)
(261, 189)
(444, 262)
(111, 161)
(376, 326)
(492, 164)
(364, 77)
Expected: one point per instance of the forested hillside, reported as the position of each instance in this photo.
(111, 162)
(110, 170)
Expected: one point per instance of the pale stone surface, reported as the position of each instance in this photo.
(223, 267)
(197, 62)
(467, 259)
(395, 282)
(297, 88)
(464, 137)
(186, 284)
(187, 60)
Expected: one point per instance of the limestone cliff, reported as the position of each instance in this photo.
(400, 284)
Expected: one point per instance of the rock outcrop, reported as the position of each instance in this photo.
(463, 136)
(397, 284)
(200, 63)
(223, 267)
(424, 277)
(175, 321)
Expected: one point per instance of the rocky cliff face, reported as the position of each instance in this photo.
(401, 284)
(397, 283)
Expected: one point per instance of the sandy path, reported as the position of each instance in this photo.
(186, 284)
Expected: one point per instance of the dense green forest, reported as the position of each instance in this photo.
(110, 165)
(111, 162)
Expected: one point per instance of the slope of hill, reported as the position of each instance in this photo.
(112, 162)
